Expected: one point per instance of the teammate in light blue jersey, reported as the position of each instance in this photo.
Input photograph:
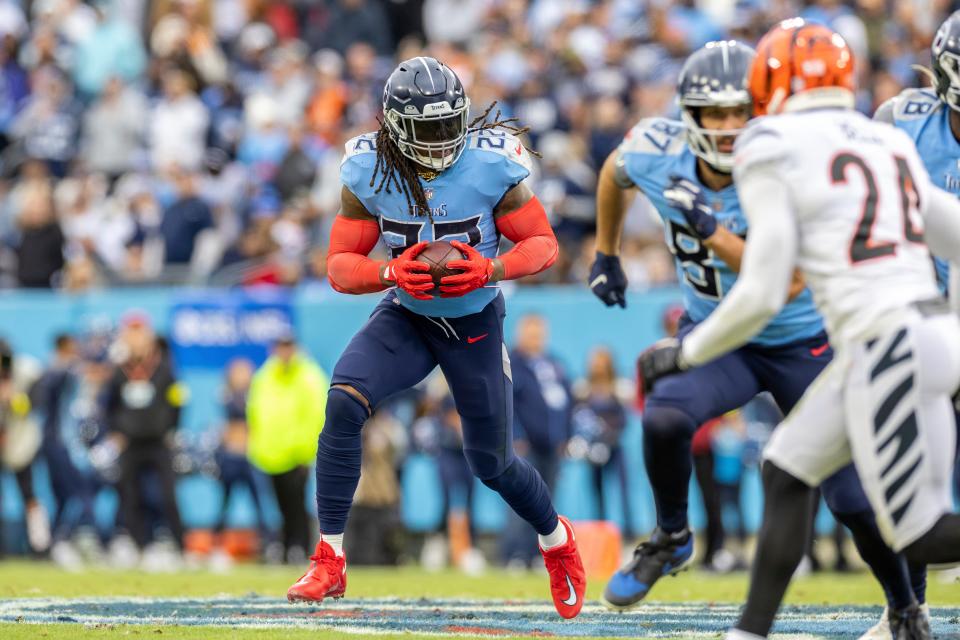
(932, 117)
(655, 153)
(685, 169)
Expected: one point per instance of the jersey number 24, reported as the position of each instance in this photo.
(862, 245)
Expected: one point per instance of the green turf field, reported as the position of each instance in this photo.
(39, 580)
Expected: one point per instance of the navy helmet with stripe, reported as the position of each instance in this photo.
(945, 51)
(713, 76)
(426, 108)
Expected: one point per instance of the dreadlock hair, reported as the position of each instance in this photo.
(396, 170)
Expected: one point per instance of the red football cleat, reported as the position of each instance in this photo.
(568, 581)
(326, 577)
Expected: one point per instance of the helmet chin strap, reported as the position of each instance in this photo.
(919, 68)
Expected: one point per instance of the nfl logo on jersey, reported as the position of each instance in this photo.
(428, 193)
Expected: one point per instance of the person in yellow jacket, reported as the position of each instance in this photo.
(285, 413)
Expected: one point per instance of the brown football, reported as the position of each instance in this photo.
(437, 255)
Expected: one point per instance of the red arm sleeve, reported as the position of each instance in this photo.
(348, 267)
(536, 247)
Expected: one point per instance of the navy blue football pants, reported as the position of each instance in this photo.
(679, 404)
(395, 350)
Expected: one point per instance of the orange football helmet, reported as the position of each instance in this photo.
(797, 56)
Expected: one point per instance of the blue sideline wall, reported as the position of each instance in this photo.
(325, 321)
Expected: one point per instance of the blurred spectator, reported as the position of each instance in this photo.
(567, 186)
(20, 440)
(245, 84)
(542, 397)
(350, 21)
(599, 419)
(687, 28)
(54, 393)
(141, 407)
(265, 140)
(178, 125)
(113, 130)
(231, 456)
(542, 405)
(12, 21)
(14, 86)
(184, 33)
(41, 244)
(373, 530)
(48, 127)
(285, 411)
(329, 99)
(288, 82)
(453, 21)
(718, 465)
(365, 83)
(440, 433)
(184, 220)
(298, 167)
(112, 49)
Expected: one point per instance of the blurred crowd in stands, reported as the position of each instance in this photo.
(198, 141)
(94, 441)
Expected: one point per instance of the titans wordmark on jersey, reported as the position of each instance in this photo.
(926, 119)
(654, 150)
(461, 200)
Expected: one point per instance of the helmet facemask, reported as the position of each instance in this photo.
(705, 142)
(946, 69)
(434, 139)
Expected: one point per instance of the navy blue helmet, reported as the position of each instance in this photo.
(426, 108)
(945, 52)
(713, 76)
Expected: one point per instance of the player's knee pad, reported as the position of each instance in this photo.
(667, 422)
(844, 493)
(345, 411)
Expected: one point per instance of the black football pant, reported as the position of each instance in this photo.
(291, 492)
(138, 457)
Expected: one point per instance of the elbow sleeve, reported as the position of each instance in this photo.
(536, 246)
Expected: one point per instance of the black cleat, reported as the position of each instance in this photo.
(911, 623)
(662, 555)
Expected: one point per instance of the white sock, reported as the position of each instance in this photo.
(555, 538)
(335, 541)
(737, 634)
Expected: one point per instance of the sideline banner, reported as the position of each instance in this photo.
(210, 328)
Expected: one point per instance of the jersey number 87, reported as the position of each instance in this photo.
(695, 258)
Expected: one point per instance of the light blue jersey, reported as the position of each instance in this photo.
(654, 150)
(926, 119)
(462, 200)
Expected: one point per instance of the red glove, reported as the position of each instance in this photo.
(476, 272)
(409, 274)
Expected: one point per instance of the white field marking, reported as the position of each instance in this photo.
(666, 618)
